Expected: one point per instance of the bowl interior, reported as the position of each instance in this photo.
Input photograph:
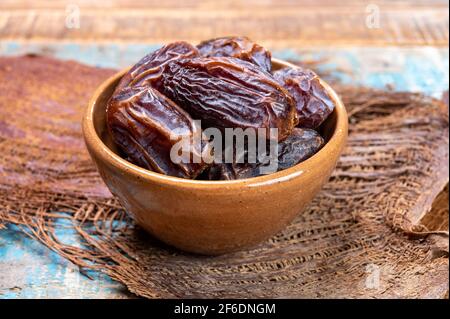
(327, 129)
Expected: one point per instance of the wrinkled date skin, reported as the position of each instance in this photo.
(230, 93)
(145, 125)
(149, 69)
(229, 171)
(312, 101)
(299, 146)
(237, 47)
(226, 83)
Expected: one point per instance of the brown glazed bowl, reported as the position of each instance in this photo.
(211, 217)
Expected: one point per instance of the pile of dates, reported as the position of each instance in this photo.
(180, 92)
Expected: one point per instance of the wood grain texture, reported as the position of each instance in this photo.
(273, 23)
(30, 270)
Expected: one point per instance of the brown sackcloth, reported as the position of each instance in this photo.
(360, 237)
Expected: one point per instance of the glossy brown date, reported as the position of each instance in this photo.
(299, 146)
(229, 171)
(230, 93)
(226, 83)
(312, 101)
(149, 69)
(145, 125)
(237, 47)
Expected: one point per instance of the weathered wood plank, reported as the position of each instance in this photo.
(284, 24)
(33, 4)
(30, 270)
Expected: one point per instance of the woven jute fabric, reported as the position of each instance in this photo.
(362, 236)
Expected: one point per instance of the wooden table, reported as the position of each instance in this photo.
(274, 23)
(403, 44)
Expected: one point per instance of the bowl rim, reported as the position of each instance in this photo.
(95, 144)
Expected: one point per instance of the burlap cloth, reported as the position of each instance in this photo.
(360, 237)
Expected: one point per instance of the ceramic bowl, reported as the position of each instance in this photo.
(211, 217)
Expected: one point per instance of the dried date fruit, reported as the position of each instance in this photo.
(149, 69)
(230, 93)
(146, 125)
(299, 146)
(229, 171)
(237, 47)
(313, 102)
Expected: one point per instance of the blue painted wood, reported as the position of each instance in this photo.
(29, 270)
